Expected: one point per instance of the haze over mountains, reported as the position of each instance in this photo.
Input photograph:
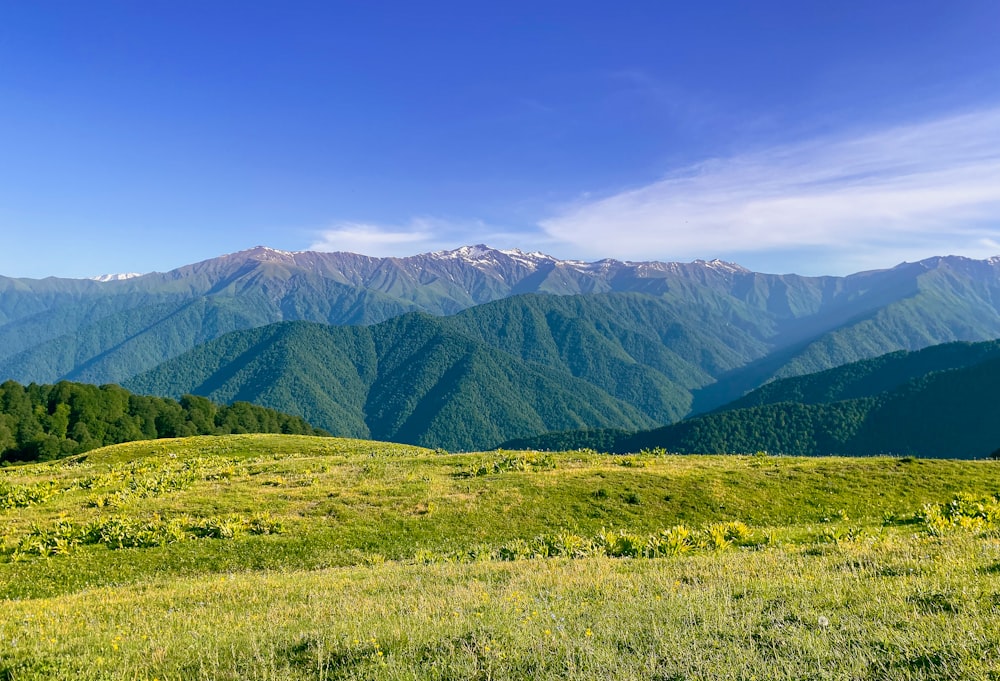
(447, 349)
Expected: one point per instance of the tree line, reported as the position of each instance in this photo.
(46, 422)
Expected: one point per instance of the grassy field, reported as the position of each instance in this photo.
(283, 557)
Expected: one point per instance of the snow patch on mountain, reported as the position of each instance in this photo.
(266, 253)
(116, 277)
(467, 253)
(722, 265)
(481, 255)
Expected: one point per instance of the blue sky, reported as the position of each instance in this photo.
(814, 137)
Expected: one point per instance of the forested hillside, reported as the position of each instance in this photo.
(871, 377)
(44, 422)
(513, 367)
(940, 402)
(413, 379)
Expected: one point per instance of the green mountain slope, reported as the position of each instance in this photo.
(112, 345)
(939, 402)
(871, 377)
(633, 346)
(413, 379)
(512, 367)
(909, 307)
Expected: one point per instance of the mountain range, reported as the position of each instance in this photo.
(417, 346)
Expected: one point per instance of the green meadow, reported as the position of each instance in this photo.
(292, 557)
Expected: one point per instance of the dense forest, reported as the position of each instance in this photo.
(432, 381)
(871, 377)
(44, 422)
(939, 402)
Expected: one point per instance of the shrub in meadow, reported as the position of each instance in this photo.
(55, 540)
(570, 545)
(517, 549)
(122, 532)
(965, 511)
(631, 462)
(505, 462)
(21, 496)
(126, 532)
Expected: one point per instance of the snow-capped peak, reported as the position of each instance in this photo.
(722, 265)
(267, 250)
(116, 277)
(465, 252)
(266, 254)
(482, 252)
(518, 254)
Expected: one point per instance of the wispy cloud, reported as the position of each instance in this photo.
(417, 235)
(883, 196)
(358, 237)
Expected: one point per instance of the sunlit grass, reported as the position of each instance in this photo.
(914, 608)
(387, 561)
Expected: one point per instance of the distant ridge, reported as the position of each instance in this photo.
(729, 330)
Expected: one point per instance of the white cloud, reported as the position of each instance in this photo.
(916, 190)
(418, 235)
(377, 240)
